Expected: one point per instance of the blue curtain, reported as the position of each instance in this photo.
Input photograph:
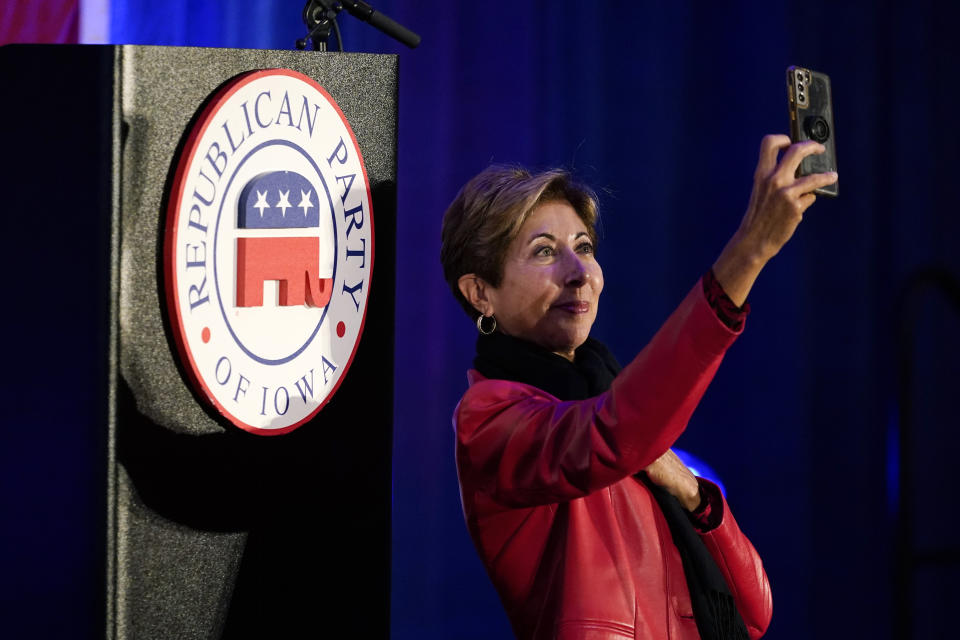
(661, 107)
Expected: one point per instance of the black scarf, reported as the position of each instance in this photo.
(506, 358)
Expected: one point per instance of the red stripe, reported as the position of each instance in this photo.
(51, 21)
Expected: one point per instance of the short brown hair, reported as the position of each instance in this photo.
(489, 211)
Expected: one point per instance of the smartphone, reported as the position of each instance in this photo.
(811, 118)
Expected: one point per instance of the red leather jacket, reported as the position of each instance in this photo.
(576, 547)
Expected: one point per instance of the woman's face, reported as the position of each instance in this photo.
(551, 281)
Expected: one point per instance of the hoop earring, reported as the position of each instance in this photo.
(480, 319)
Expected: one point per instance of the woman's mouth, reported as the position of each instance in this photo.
(573, 306)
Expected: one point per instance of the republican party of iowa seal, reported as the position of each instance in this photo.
(268, 250)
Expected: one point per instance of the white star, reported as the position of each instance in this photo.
(284, 203)
(261, 202)
(305, 201)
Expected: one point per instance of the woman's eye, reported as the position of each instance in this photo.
(543, 252)
(585, 247)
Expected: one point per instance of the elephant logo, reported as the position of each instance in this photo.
(265, 203)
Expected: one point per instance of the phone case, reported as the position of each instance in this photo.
(811, 118)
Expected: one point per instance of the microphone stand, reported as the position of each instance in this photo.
(320, 16)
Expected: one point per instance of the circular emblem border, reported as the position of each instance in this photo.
(190, 147)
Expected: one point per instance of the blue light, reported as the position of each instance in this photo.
(700, 468)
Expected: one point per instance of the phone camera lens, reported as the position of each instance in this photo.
(817, 128)
(800, 86)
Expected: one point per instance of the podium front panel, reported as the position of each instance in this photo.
(193, 527)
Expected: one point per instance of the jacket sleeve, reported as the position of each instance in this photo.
(740, 564)
(524, 447)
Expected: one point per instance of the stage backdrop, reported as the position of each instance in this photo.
(661, 107)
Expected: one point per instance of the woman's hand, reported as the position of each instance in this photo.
(776, 207)
(670, 473)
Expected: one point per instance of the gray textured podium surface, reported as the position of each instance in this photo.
(174, 579)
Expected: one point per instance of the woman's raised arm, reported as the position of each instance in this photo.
(776, 207)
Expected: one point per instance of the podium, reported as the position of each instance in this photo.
(132, 507)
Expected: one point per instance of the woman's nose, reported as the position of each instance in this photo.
(576, 273)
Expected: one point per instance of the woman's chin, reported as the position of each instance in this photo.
(565, 343)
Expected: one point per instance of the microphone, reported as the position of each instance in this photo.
(362, 11)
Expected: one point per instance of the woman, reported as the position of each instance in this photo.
(588, 525)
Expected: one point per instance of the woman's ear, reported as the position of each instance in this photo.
(476, 290)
